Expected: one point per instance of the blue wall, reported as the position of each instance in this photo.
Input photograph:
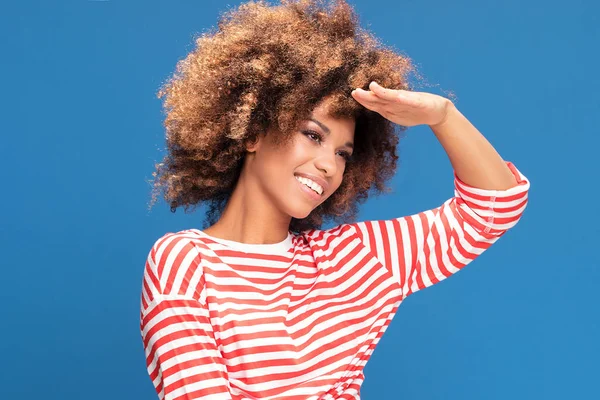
(81, 131)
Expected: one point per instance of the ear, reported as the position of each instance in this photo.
(252, 146)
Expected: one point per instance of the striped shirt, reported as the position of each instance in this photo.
(299, 319)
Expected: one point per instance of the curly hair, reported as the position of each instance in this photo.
(266, 67)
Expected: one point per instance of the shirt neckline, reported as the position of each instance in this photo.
(280, 247)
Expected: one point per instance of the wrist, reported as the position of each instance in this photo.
(451, 112)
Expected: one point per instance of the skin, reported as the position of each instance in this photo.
(473, 158)
(267, 195)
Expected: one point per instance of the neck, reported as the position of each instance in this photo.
(250, 217)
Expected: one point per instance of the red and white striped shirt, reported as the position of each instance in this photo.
(299, 319)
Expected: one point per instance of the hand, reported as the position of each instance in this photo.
(404, 107)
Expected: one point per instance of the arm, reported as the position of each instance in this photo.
(473, 158)
(423, 249)
(182, 356)
(490, 195)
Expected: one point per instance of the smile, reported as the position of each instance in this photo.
(309, 187)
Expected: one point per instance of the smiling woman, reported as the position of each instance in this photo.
(317, 153)
(263, 123)
(266, 69)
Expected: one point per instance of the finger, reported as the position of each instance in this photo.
(369, 105)
(384, 93)
(404, 96)
(367, 96)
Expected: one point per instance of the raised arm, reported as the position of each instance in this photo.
(473, 158)
(423, 249)
(490, 195)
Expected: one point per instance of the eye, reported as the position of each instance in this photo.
(315, 136)
(347, 156)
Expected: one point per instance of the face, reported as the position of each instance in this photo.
(297, 177)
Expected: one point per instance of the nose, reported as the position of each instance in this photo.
(326, 162)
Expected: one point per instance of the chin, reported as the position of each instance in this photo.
(303, 212)
(300, 211)
(298, 214)
(301, 208)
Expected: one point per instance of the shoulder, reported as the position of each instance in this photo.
(172, 258)
(172, 245)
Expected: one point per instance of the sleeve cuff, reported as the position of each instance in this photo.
(493, 211)
(521, 185)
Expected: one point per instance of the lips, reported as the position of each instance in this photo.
(308, 191)
(322, 182)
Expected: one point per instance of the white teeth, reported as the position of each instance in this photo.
(313, 185)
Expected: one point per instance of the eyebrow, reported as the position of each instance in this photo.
(327, 131)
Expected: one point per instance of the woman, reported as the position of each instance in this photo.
(282, 118)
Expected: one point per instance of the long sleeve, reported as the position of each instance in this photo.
(426, 248)
(182, 356)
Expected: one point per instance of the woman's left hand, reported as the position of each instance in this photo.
(404, 107)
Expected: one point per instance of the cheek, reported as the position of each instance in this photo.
(337, 185)
(297, 154)
(300, 145)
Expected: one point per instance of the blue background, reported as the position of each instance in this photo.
(81, 131)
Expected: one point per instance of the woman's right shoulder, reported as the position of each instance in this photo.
(172, 255)
(171, 241)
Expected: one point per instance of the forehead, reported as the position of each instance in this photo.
(324, 112)
(325, 106)
(337, 106)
